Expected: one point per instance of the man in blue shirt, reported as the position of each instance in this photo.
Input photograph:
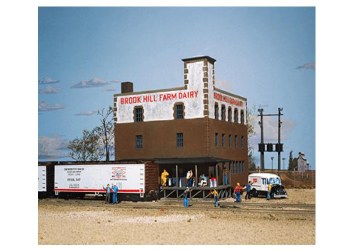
(248, 189)
(114, 195)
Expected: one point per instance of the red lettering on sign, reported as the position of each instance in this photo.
(162, 97)
(227, 99)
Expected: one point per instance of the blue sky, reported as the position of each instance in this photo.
(266, 54)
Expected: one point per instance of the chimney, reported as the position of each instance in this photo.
(127, 87)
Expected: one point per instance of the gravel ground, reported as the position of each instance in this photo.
(84, 222)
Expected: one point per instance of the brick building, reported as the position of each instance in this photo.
(196, 126)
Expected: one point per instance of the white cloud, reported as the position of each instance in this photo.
(223, 85)
(43, 106)
(47, 80)
(51, 147)
(87, 113)
(49, 90)
(270, 125)
(94, 82)
(111, 89)
(310, 65)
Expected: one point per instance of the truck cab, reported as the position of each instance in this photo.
(260, 182)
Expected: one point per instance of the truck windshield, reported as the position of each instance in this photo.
(276, 180)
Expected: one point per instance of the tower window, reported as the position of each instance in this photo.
(138, 114)
(179, 111)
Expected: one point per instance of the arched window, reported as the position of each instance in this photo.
(242, 116)
(223, 113)
(216, 111)
(235, 118)
(179, 110)
(229, 116)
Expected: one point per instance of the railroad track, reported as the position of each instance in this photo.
(199, 205)
(228, 206)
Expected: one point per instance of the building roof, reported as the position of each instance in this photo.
(197, 58)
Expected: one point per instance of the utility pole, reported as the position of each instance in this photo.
(272, 162)
(278, 145)
(279, 138)
(262, 139)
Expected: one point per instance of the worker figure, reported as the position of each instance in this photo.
(216, 197)
(108, 193)
(114, 194)
(269, 187)
(225, 176)
(248, 188)
(238, 191)
(189, 178)
(164, 177)
(186, 197)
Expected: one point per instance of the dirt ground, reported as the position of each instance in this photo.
(85, 222)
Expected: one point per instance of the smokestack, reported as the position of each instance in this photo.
(127, 87)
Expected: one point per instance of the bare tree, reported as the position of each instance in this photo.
(86, 148)
(251, 132)
(106, 131)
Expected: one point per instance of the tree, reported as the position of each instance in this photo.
(106, 131)
(290, 167)
(86, 148)
(251, 132)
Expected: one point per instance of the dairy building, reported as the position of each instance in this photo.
(196, 126)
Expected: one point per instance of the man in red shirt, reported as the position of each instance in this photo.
(238, 191)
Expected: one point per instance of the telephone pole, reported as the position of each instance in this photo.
(262, 140)
(270, 147)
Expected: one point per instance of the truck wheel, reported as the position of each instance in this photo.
(254, 193)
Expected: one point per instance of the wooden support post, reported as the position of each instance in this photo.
(196, 178)
(217, 174)
(230, 172)
(223, 174)
(177, 182)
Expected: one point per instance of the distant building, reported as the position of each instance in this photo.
(303, 165)
(196, 125)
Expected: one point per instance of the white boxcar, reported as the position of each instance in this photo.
(42, 186)
(260, 183)
(130, 178)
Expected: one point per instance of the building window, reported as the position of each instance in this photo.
(216, 139)
(242, 141)
(138, 114)
(229, 140)
(235, 114)
(139, 141)
(229, 116)
(223, 140)
(223, 113)
(179, 140)
(236, 141)
(242, 116)
(216, 111)
(179, 111)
